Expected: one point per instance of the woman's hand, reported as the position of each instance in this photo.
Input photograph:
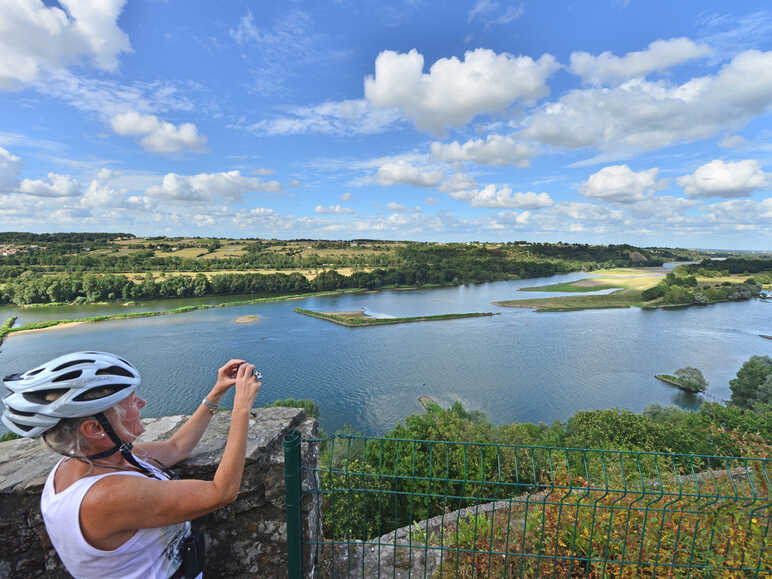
(226, 377)
(247, 387)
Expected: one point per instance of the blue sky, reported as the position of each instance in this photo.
(594, 122)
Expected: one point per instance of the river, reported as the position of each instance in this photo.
(517, 366)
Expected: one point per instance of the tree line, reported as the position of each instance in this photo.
(684, 290)
(29, 288)
(70, 254)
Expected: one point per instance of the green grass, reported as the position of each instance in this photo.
(674, 381)
(357, 319)
(568, 287)
(5, 329)
(622, 299)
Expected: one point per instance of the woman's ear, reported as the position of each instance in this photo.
(92, 430)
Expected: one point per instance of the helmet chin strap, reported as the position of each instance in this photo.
(120, 446)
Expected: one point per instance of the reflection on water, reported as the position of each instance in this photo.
(517, 366)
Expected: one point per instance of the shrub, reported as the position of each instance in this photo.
(691, 379)
(311, 407)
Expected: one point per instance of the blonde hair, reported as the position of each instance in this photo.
(67, 438)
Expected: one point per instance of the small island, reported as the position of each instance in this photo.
(689, 379)
(358, 319)
(250, 319)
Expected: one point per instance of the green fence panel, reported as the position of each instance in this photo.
(414, 508)
(293, 502)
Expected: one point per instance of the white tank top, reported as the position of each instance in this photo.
(149, 554)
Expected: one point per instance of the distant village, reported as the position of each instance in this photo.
(14, 249)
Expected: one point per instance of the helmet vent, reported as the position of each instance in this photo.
(24, 427)
(73, 363)
(20, 413)
(33, 372)
(68, 376)
(44, 396)
(108, 391)
(114, 371)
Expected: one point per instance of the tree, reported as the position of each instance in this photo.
(691, 379)
(751, 386)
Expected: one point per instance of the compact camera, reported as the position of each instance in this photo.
(256, 373)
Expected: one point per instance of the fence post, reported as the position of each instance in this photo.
(293, 503)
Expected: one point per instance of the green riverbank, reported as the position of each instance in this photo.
(7, 328)
(674, 381)
(584, 285)
(358, 319)
(620, 299)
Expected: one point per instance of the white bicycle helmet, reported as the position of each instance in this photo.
(59, 389)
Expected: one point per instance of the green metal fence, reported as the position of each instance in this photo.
(413, 508)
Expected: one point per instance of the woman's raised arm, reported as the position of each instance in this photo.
(182, 443)
(118, 504)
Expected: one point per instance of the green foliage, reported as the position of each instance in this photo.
(732, 265)
(752, 383)
(691, 379)
(654, 292)
(9, 436)
(311, 408)
(613, 429)
(5, 329)
(685, 290)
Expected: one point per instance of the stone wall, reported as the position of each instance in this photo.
(245, 539)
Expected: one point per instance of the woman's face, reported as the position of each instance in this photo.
(131, 407)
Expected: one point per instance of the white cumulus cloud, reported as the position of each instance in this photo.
(742, 211)
(10, 166)
(489, 196)
(204, 187)
(620, 184)
(159, 136)
(724, 179)
(642, 115)
(402, 172)
(100, 192)
(455, 91)
(458, 182)
(35, 37)
(606, 68)
(588, 212)
(494, 150)
(56, 186)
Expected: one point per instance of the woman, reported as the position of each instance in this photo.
(110, 508)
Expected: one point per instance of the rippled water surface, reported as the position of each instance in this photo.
(516, 366)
